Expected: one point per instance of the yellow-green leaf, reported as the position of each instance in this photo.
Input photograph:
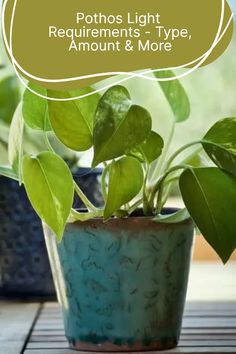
(125, 182)
(9, 98)
(175, 95)
(119, 125)
(220, 144)
(72, 121)
(49, 186)
(35, 108)
(15, 150)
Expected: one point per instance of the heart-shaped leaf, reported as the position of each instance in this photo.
(72, 121)
(49, 186)
(125, 182)
(15, 150)
(220, 144)
(175, 95)
(210, 197)
(35, 108)
(119, 126)
(150, 149)
(9, 98)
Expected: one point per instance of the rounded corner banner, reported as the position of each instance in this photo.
(63, 45)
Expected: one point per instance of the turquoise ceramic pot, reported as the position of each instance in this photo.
(122, 284)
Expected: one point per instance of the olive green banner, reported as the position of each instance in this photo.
(75, 43)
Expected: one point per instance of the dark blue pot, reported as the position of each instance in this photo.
(24, 265)
(122, 284)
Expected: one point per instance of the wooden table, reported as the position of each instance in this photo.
(33, 328)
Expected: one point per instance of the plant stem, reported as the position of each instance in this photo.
(167, 185)
(75, 215)
(159, 186)
(135, 206)
(146, 206)
(159, 166)
(179, 151)
(84, 199)
(48, 142)
(159, 198)
(103, 181)
(168, 182)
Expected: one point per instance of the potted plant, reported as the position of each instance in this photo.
(121, 271)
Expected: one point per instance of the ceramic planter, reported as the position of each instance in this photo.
(24, 266)
(122, 284)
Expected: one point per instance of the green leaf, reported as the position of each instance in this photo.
(4, 132)
(119, 126)
(35, 108)
(72, 121)
(150, 149)
(210, 197)
(3, 154)
(175, 218)
(175, 95)
(49, 186)
(9, 98)
(220, 144)
(15, 150)
(125, 182)
(8, 172)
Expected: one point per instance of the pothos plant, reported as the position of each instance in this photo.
(137, 173)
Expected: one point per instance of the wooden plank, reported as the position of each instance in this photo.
(190, 337)
(52, 331)
(209, 305)
(191, 305)
(51, 317)
(16, 320)
(50, 305)
(192, 343)
(187, 323)
(207, 328)
(185, 337)
(200, 331)
(191, 308)
(204, 339)
(179, 350)
(47, 345)
(190, 325)
(209, 331)
(49, 338)
(54, 305)
(187, 314)
(55, 351)
(205, 336)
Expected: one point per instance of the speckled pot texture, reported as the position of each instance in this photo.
(122, 284)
